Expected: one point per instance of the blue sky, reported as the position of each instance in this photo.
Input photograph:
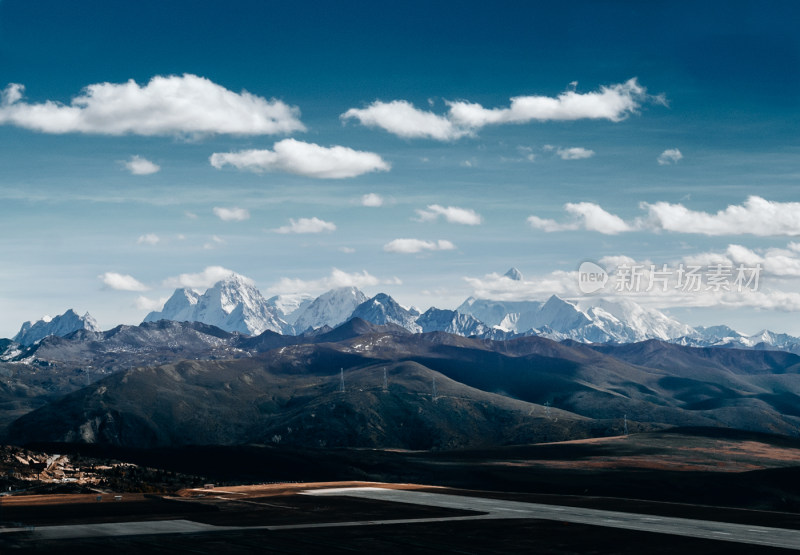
(106, 206)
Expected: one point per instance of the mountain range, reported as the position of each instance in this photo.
(364, 385)
(229, 366)
(235, 305)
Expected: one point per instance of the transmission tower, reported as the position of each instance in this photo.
(626, 424)
(434, 394)
(341, 379)
(547, 409)
(385, 380)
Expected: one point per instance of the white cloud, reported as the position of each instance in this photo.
(401, 118)
(122, 282)
(347, 250)
(337, 278)
(669, 156)
(306, 159)
(777, 287)
(231, 214)
(214, 242)
(452, 214)
(784, 263)
(306, 225)
(549, 225)
(372, 199)
(613, 102)
(595, 218)
(144, 303)
(502, 288)
(202, 280)
(564, 284)
(148, 239)
(587, 215)
(756, 216)
(190, 215)
(141, 166)
(574, 153)
(527, 153)
(167, 105)
(613, 261)
(413, 246)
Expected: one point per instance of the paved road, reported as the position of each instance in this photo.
(496, 508)
(140, 528)
(487, 509)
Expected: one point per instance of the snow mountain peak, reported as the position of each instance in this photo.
(383, 309)
(232, 304)
(329, 309)
(62, 325)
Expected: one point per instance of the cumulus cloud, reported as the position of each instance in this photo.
(372, 199)
(122, 282)
(549, 225)
(183, 105)
(403, 119)
(141, 166)
(502, 288)
(306, 225)
(669, 156)
(399, 117)
(613, 102)
(564, 284)
(306, 159)
(775, 288)
(574, 153)
(148, 239)
(586, 215)
(595, 218)
(452, 214)
(413, 246)
(756, 216)
(337, 278)
(778, 262)
(203, 280)
(145, 303)
(231, 214)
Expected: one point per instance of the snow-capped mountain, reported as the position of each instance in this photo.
(10, 350)
(290, 306)
(723, 336)
(329, 309)
(180, 307)
(382, 309)
(501, 314)
(514, 274)
(595, 321)
(232, 304)
(451, 321)
(61, 325)
(557, 314)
